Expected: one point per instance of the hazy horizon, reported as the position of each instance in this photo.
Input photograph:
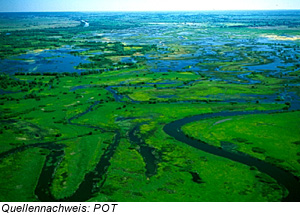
(144, 6)
(142, 11)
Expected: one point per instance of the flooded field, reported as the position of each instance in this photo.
(182, 106)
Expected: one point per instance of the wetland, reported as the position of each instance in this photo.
(164, 106)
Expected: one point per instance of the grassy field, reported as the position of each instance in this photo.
(73, 98)
(273, 137)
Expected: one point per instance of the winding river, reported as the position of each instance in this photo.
(94, 180)
(91, 184)
(289, 181)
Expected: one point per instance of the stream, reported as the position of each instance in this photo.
(288, 180)
(149, 154)
(94, 180)
(91, 184)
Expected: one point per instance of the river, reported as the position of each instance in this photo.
(289, 181)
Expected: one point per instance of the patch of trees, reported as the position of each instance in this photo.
(6, 81)
(32, 95)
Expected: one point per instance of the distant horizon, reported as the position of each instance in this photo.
(154, 11)
(145, 5)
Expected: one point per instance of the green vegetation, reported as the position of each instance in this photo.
(13, 182)
(272, 137)
(73, 98)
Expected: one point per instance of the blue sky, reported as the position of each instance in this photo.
(144, 5)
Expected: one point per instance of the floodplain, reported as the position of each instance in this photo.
(166, 106)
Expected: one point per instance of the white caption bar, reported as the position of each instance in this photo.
(149, 208)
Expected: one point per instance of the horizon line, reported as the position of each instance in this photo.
(112, 11)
